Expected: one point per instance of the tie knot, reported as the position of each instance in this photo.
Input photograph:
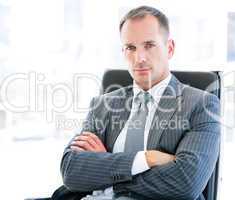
(144, 97)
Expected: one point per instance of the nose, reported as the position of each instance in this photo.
(140, 56)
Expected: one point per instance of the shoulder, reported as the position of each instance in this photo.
(108, 100)
(200, 103)
(196, 95)
(119, 93)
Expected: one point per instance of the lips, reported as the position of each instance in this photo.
(142, 70)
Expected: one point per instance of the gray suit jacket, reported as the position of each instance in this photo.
(185, 124)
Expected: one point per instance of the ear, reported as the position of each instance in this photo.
(171, 48)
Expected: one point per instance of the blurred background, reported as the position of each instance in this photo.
(53, 54)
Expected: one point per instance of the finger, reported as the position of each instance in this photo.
(88, 139)
(75, 148)
(83, 144)
(100, 147)
(95, 137)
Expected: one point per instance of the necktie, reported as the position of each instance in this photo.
(135, 132)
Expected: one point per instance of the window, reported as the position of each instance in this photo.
(53, 51)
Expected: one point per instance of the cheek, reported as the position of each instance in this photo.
(158, 56)
(129, 58)
(154, 57)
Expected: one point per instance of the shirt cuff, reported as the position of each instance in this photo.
(139, 164)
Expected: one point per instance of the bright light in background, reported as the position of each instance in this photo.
(36, 27)
(58, 38)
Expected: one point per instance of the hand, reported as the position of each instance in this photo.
(88, 141)
(155, 158)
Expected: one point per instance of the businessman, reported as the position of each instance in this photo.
(156, 139)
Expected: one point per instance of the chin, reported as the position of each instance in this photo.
(143, 82)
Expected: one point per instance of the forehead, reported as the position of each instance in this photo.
(140, 29)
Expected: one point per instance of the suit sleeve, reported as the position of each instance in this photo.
(196, 156)
(88, 171)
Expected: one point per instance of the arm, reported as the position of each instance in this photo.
(86, 170)
(86, 165)
(90, 143)
(144, 160)
(196, 156)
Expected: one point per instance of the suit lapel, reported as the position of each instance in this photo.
(166, 108)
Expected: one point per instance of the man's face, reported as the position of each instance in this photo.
(147, 50)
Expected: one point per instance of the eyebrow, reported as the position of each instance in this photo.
(149, 41)
(128, 44)
(145, 42)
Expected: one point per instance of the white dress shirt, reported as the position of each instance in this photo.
(139, 164)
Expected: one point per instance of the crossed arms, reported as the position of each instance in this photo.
(87, 166)
(88, 141)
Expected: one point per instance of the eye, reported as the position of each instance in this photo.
(149, 45)
(130, 48)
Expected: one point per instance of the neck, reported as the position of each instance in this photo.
(151, 83)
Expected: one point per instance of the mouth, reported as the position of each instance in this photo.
(142, 70)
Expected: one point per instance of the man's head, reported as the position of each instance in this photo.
(146, 45)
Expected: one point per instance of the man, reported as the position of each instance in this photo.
(128, 148)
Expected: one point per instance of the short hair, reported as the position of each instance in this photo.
(141, 12)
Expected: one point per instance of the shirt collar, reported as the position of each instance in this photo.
(156, 91)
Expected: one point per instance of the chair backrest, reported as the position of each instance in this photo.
(210, 81)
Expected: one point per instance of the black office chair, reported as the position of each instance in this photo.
(114, 79)
(210, 81)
